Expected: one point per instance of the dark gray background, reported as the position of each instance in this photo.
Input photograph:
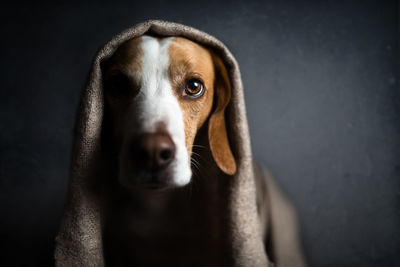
(322, 92)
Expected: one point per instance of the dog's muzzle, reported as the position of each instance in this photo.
(151, 157)
(153, 151)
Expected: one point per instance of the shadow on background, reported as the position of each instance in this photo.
(322, 92)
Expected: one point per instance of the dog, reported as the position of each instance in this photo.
(164, 120)
(159, 92)
(165, 88)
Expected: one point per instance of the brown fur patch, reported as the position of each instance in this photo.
(189, 60)
(126, 60)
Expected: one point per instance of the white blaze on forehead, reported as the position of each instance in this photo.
(157, 102)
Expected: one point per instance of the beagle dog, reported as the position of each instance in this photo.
(159, 92)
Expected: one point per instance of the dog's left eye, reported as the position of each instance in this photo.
(194, 88)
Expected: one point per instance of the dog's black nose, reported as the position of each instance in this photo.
(154, 151)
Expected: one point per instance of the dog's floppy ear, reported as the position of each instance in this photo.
(217, 134)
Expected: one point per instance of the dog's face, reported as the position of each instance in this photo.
(158, 93)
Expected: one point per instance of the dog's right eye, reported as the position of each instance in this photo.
(118, 85)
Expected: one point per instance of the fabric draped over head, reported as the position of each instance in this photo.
(79, 242)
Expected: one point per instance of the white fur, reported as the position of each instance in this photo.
(157, 103)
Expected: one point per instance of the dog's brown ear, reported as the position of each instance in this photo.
(217, 133)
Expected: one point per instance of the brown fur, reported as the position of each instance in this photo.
(127, 61)
(190, 60)
(127, 58)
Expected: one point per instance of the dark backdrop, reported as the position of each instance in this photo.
(322, 92)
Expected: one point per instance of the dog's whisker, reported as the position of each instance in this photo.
(196, 154)
(195, 164)
(199, 146)
(196, 170)
(201, 171)
(192, 159)
(199, 158)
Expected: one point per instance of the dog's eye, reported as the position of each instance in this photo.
(117, 85)
(194, 88)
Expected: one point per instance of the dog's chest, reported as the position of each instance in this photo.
(171, 234)
(176, 241)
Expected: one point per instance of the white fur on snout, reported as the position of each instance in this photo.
(157, 104)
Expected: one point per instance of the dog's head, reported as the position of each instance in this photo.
(158, 93)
